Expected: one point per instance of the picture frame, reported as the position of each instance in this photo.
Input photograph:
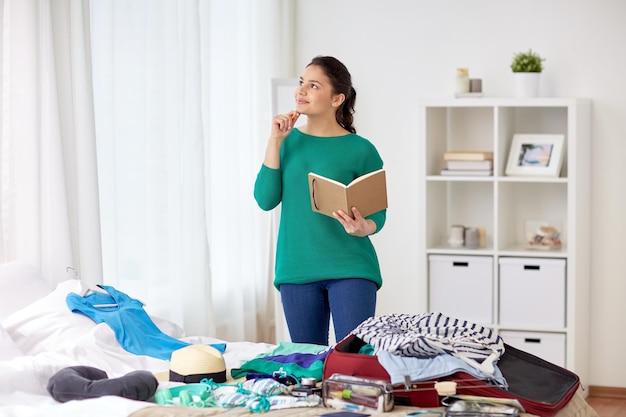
(536, 155)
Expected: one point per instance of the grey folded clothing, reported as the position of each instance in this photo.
(83, 382)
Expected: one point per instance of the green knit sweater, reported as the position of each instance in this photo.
(311, 246)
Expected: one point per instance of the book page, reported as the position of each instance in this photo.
(327, 195)
(368, 193)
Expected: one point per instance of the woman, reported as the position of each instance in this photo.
(324, 266)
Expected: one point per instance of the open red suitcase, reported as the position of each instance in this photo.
(540, 386)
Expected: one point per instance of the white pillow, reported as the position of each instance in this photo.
(48, 323)
(8, 348)
(20, 285)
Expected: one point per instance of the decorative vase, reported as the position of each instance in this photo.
(527, 84)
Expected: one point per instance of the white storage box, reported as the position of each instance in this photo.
(532, 292)
(462, 287)
(547, 346)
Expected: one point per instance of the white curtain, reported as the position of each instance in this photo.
(182, 103)
(48, 184)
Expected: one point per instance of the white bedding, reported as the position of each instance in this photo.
(39, 336)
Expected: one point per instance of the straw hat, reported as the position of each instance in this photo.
(195, 362)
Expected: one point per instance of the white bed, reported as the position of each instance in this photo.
(40, 336)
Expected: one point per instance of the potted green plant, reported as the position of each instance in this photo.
(527, 62)
(527, 67)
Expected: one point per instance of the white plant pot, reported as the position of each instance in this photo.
(527, 84)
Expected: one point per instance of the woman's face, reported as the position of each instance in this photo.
(315, 94)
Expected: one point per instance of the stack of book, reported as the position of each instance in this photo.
(468, 163)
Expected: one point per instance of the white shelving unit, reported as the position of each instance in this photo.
(500, 205)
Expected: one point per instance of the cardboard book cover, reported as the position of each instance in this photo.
(368, 193)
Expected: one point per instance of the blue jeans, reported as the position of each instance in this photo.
(308, 308)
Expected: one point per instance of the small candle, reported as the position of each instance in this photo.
(456, 236)
(476, 85)
(471, 238)
(462, 80)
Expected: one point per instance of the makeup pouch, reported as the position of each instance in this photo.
(353, 393)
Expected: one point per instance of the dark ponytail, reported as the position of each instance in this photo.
(341, 81)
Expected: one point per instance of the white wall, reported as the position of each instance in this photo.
(401, 50)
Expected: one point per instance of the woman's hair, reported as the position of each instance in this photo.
(341, 82)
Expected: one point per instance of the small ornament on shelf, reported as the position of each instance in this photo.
(542, 236)
(466, 86)
(466, 237)
(456, 238)
(462, 81)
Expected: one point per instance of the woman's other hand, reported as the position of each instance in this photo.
(357, 226)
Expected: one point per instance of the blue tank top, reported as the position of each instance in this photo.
(133, 327)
